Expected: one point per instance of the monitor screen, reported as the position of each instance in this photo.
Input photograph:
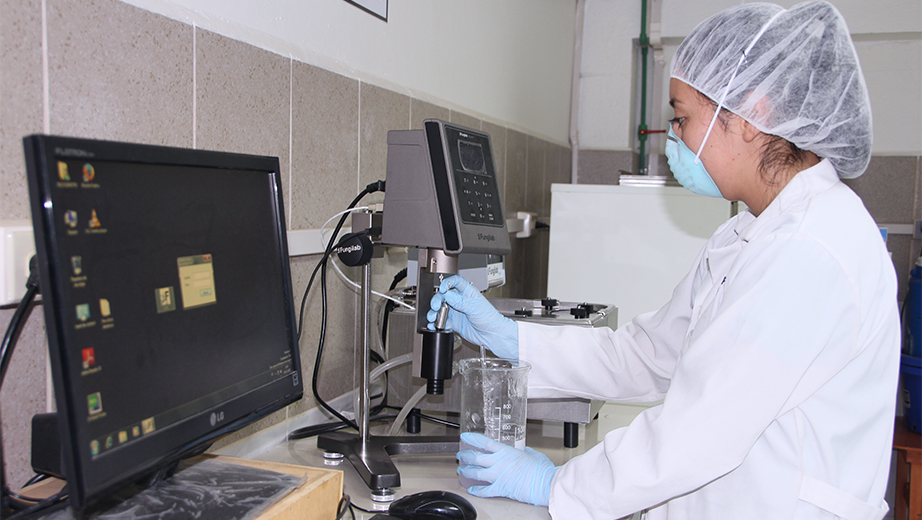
(167, 296)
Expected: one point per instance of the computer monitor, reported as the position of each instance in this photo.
(167, 297)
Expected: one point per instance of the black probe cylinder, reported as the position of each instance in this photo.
(435, 365)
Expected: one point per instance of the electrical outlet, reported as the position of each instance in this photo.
(16, 248)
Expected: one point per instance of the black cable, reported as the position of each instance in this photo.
(436, 420)
(390, 306)
(362, 509)
(36, 479)
(371, 188)
(345, 504)
(318, 429)
(42, 507)
(903, 325)
(321, 265)
(417, 413)
(18, 320)
(21, 498)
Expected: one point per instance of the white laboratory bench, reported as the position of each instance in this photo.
(438, 472)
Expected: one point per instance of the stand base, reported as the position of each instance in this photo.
(373, 458)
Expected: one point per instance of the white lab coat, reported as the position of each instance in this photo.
(777, 359)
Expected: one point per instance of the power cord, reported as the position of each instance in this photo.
(345, 505)
(18, 320)
(322, 267)
(27, 507)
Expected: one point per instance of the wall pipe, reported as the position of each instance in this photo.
(574, 91)
(644, 49)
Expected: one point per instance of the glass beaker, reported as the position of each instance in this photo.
(494, 393)
(493, 400)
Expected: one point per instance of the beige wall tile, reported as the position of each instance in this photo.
(337, 374)
(887, 188)
(917, 208)
(534, 174)
(516, 173)
(465, 120)
(382, 110)
(242, 100)
(515, 270)
(23, 396)
(514, 197)
(557, 171)
(603, 166)
(119, 72)
(534, 265)
(901, 248)
(21, 92)
(324, 145)
(421, 110)
(533, 278)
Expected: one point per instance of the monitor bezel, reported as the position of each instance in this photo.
(85, 477)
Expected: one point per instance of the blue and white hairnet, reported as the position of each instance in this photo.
(791, 72)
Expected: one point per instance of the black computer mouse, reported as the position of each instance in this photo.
(432, 505)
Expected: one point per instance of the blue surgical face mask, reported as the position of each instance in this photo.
(688, 168)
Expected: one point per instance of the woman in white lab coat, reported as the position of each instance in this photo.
(777, 356)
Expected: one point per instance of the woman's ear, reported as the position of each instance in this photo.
(749, 131)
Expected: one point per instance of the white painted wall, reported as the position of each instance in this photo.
(506, 61)
(887, 34)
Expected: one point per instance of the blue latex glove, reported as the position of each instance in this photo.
(520, 475)
(474, 318)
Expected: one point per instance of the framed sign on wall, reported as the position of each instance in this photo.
(375, 7)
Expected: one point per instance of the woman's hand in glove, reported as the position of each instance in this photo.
(520, 475)
(474, 318)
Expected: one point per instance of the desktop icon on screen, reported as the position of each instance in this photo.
(104, 309)
(83, 311)
(70, 218)
(62, 171)
(77, 263)
(94, 447)
(165, 300)
(94, 220)
(94, 401)
(89, 358)
(147, 425)
(88, 172)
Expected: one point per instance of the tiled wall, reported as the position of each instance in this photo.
(891, 189)
(118, 72)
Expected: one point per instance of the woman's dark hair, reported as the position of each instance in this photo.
(778, 154)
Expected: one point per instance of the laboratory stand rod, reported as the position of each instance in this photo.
(365, 404)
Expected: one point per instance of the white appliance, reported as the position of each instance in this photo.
(628, 245)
